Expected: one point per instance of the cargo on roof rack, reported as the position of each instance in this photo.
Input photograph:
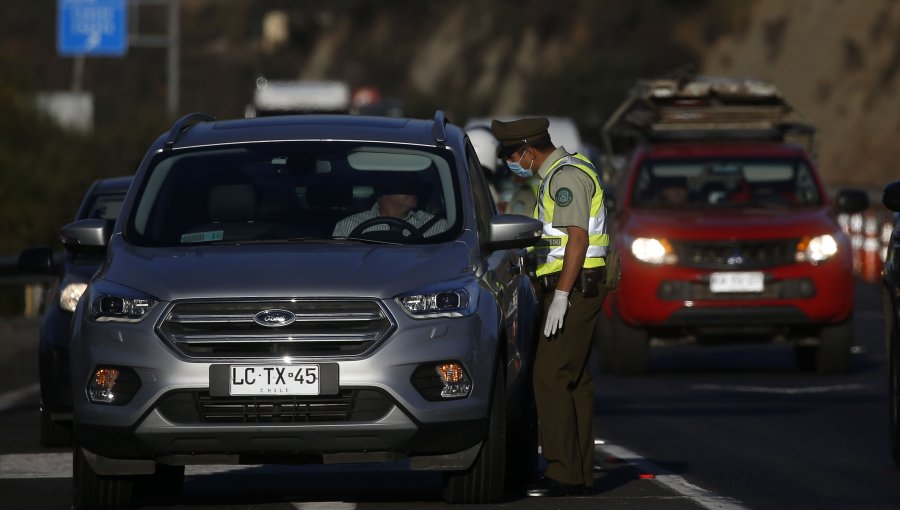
(694, 108)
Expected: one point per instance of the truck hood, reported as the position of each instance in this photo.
(284, 270)
(728, 223)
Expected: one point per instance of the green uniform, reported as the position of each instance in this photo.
(563, 387)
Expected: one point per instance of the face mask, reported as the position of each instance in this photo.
(518, 169)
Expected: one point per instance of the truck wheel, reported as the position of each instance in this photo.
(631, 348)
(833, 356)
(604, 345)
(805, 357)
(92, 491)
(483, 482)
(55, 433)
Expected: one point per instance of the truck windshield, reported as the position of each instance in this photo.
(725, 183)
(292, 191)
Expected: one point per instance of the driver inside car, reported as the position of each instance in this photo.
(394, 211)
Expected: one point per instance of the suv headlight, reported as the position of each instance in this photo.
(70, 294)
(111, 302)
(653, 251)
(452, 299)
(816, 249)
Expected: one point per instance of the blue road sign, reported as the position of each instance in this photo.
(91, 27)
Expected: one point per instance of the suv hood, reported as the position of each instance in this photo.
(284, 270)
(728, 223)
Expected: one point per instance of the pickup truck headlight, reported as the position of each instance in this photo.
(70, 294)
(816, 249)
(653, 251)
(445, 300)
(111, 302)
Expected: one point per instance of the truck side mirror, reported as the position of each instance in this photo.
(852, 201)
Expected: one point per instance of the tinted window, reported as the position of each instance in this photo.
(105, 207)
(283, 191)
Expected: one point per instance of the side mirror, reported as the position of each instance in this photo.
(851, 201)
(92, 233)
(37, 259)
(891, 196)
(509, 231)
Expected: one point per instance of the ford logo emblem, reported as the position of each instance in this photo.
(274, 318)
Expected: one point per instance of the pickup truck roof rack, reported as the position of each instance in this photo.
(183, 124)
(687, 107)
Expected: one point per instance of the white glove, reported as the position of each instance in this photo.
(556, 312)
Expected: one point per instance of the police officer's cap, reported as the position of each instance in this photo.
(515, 133)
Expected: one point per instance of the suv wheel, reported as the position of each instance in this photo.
(483, 482)
(834, 353)
(54, 433)
(631, 348)
(163, 486)
(92, 491)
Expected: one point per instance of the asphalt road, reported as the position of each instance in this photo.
(729, 428)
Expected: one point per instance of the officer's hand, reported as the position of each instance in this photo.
(556, 312)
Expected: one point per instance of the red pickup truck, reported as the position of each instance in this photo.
(726, 233)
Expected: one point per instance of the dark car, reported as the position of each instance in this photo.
(891, 302)
(103, 200)
(263, 300)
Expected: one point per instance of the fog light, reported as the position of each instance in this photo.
(445, 380)
(114, 386)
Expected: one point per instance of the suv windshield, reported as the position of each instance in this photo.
(725, 183)
(291, 191)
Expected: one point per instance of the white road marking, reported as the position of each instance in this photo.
(803, 390)
(704, 498)
(325, 505)
(11, 398)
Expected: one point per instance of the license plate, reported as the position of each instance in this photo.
(736, 282)
(274, 380)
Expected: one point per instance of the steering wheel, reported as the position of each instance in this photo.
(390, 221)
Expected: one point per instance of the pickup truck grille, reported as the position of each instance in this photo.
(193, 407)
(320, 328)
(735, 255)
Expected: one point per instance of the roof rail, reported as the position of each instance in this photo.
(182, 125)
(440, 127)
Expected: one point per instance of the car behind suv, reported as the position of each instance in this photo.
(103, 200)
(234, 321)
(726, 231)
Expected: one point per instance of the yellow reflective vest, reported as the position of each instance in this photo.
(552, 246)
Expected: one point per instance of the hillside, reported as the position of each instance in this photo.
(836, 61)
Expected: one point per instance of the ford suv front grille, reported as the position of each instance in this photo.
(735, 255)
(192, 407)
(245, 329)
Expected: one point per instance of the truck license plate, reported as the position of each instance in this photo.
(274, 380)
(736, 281)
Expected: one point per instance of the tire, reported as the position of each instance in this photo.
(894, 390)
(604, 345)
(631, 347)
(522, 454)
(162, 487)
(805, 357)
(484, 481)
(833, 355)
(92, 491)
(55, 434)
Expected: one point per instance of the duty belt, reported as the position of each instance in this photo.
(588, 282)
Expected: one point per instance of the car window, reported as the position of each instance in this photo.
(105, 207)
(279, 192)
(725, 182)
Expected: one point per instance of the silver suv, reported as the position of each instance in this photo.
(234, 320)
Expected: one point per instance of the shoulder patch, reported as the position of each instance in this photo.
(563, 197)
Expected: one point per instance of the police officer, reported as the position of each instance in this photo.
(570, 267)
